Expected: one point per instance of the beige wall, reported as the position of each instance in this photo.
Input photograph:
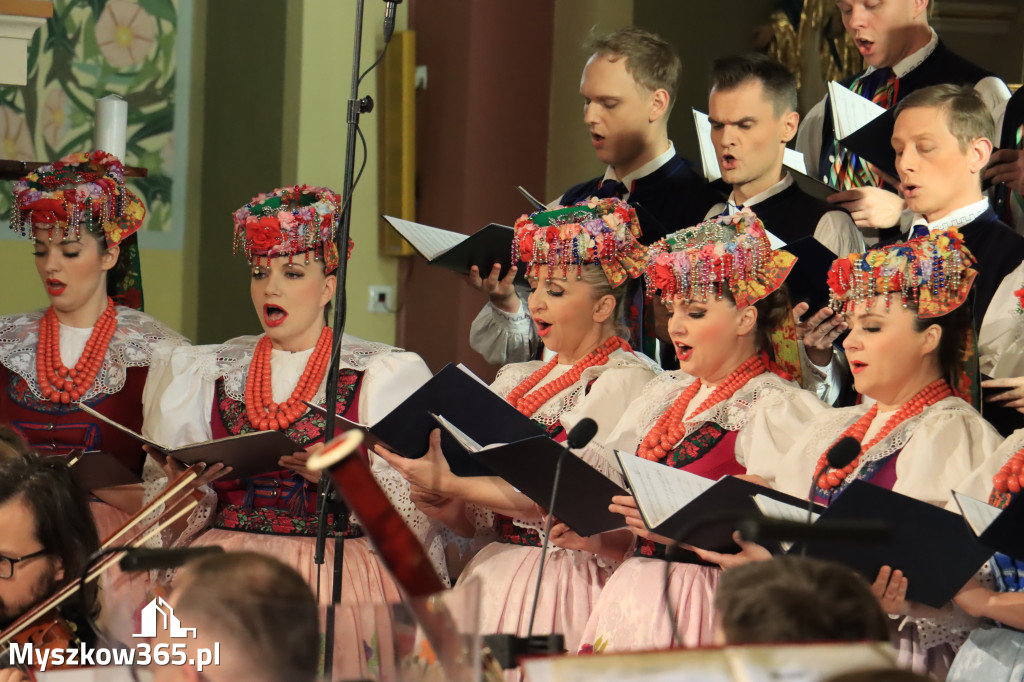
(316, 153)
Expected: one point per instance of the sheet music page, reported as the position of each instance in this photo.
(660, 490)
(979, 515)
(791, 158)
(775, 509)
(459, 435)
(429, 241)
(850, 111)
(712, 171)
(470, 372)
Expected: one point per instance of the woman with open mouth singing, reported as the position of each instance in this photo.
(262, 382)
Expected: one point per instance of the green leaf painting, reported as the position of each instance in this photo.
(89, 49)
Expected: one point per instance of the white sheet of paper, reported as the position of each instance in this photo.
(470, 372)
(429, 241)
(791, 158)
(774, 509)
(708, 158)
(660, 491)
(850, 111)
(979, 515)
(459, 435)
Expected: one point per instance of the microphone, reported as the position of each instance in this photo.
(844, 451)
(143, 559)
(507, 648)
(390, 8)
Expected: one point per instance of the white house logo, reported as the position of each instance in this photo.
(158, 615)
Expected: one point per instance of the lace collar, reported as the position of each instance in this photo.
(135, 342)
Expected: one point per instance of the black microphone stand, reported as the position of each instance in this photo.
(328, 501)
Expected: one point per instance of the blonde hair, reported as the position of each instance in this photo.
(967, 117)
(652, 62)
(593, 276)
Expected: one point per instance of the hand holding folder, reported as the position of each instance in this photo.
(934, 548)
(248, 454)
(459, 252)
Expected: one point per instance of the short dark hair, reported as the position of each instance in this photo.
(797, 599)
(258, 604)
(650, 60)
(778, 82)
(63, 522)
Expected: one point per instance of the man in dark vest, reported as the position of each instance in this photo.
(752, 110)
(903, 55)
(628, 87)
(943, 141)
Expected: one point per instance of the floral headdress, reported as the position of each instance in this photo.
(932, 274)
(292, 220)
(731, 253)
(701, 261)
(597, 231)
(81, 190)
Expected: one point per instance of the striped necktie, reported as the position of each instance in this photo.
(848, 171)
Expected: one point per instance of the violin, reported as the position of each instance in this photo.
(44, 626)
(402, 554)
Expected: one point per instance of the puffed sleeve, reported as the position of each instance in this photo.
(772, 430)
(1001, 339)
(979, 484)
(504, 338)
(178, 399)
(609, 392)
(942, 452)
(389, 379)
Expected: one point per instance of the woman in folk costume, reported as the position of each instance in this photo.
(260, 382)
(909, 335)
(84, 347)
(732, 409)
(579, 260)
(996, 652)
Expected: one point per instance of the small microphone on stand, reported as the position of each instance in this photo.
(839, 455)
(507, 648)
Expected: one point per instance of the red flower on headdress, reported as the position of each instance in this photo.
(662, 275)
(263, 233)
(839, 276)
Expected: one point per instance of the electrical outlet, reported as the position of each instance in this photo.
(381, 299)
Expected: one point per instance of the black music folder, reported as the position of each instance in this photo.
(94, 469)
(997, 529)
(459, 252)
(933, 547)
(584, 493)
(873, 142)
(808, 280)
(692, 509)
(248, 454)
(461, 398)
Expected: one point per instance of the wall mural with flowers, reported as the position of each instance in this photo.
(87, 50)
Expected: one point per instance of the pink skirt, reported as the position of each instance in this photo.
(507, 575)
(912, 655)
(364, 640)
(631, 614)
